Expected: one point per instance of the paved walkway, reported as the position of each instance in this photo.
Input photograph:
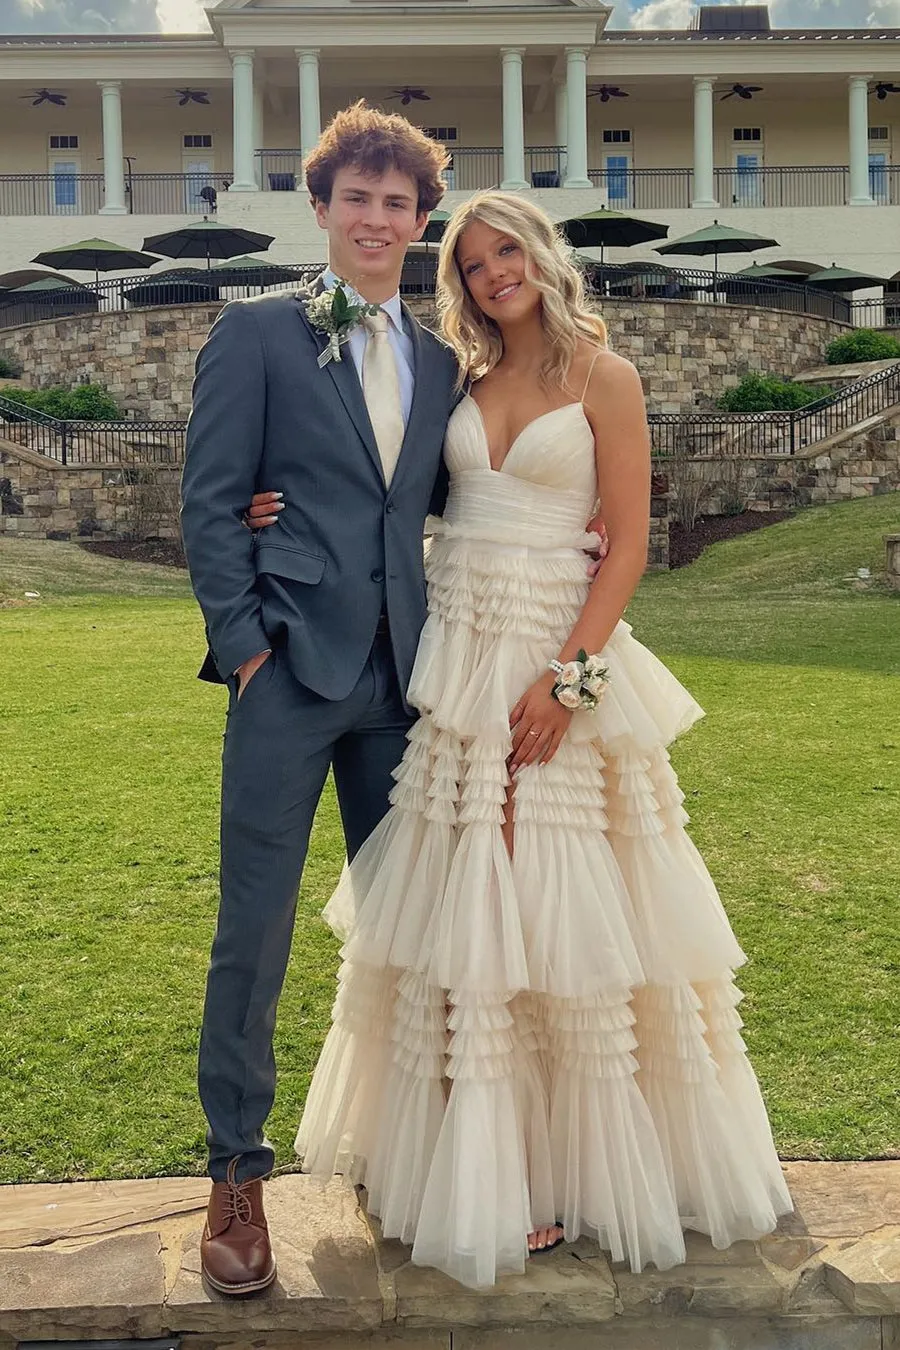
(102, 1260)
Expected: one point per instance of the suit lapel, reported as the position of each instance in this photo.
(420, 402)
(346, 381)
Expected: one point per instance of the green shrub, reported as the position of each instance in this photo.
(768, 393)
(84, 403)
(864, 344)
(9, 370)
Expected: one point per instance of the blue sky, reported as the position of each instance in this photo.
(172, 16)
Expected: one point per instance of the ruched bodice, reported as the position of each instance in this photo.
(547, 1034)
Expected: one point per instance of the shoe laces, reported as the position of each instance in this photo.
(237, 1199)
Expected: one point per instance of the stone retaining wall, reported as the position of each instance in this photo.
(687, 353)
(41, 500)
(866, 464)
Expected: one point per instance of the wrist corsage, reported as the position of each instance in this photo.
(580, 683)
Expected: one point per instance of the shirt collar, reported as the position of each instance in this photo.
(392, 307)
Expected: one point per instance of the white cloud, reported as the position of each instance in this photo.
(181, 16)
(663, 14)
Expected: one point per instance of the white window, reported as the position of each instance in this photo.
(620, 136)
(195, 142)
(63, 142)
(744, 134)
(441, 133)
(879, 134)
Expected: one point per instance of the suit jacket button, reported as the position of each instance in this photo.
(378, 576)
(390, 507)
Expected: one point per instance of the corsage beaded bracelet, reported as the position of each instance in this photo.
(580, 683)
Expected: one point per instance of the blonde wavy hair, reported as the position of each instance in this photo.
(550, 265)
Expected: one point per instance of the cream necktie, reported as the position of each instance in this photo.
(381, 389)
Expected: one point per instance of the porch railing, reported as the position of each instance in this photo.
(471, 168)
(749, 187)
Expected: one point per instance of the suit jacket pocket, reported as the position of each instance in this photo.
(294, 563)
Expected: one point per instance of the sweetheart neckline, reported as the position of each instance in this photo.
(564, 407)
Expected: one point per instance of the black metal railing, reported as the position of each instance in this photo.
(700, 435)
(744, 186)
(175, 194)
(78, 443)
(50, 194)
(471, 168)
(768, 435)
(641, 281)
(613, 282)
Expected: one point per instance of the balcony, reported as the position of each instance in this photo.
(750, 188)
(472, 169)
(147, 194)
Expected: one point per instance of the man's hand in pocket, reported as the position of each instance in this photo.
(249, 668)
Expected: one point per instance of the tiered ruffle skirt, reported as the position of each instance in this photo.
(551, 1036)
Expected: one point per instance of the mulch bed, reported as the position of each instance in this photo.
(684, 545)
(166, 552)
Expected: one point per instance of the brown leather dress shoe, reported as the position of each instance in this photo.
(235, 1252)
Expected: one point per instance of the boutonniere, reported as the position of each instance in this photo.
(334, 313)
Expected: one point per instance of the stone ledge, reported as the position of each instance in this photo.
(96, 1260)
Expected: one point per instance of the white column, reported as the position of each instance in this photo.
(860, 192)
(576, 103)
(310, 104)
(259, 131)
(242, 94)
(562, 125)
(114, 203)
(513, 119)
(704, 178)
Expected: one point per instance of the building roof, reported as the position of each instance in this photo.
(868, 35)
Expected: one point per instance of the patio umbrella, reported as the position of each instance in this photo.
(174, 286)
(716, 239)
(95, 255)
(843, 279)
(434, 230)
(208, 239)
(599, 229)
(249, 271)
(768, 272)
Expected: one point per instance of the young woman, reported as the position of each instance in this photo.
(536, 1029)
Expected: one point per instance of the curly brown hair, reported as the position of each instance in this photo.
(365, 138)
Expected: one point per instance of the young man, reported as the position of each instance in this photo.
(313, 624)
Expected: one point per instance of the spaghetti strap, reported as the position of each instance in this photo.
(589, 374)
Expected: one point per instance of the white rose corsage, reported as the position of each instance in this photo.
(580, 683)
(336, 314)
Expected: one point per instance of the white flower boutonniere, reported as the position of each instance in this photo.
(334, 313)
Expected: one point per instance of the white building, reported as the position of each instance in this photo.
(786, 133)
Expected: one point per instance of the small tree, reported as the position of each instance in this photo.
(768, 393)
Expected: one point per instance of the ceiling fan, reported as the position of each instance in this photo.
(408, 93)
(882, 89)
(742, 91)
(39, 96)
(186, 96)
(606, 91)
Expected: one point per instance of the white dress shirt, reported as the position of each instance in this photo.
(401, 342)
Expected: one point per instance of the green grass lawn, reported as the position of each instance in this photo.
(109, 750)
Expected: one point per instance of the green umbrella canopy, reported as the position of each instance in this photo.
(768, 272)
(434, 230)
(716, 239)
(47, 285)
(208, 239)
(843, 279)
(613, 229)
(95, 255)
(255, 271)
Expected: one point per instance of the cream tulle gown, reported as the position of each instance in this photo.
(553, 1036)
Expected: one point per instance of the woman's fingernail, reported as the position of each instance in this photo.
(279, 506)
(279, 495)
